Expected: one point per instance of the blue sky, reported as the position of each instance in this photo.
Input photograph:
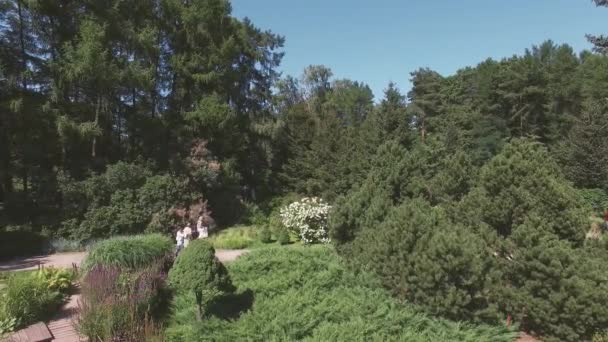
(377, 41)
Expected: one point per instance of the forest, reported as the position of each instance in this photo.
(475, 196)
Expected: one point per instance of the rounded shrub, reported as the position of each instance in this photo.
(28, 298)
(265, 235)
(197, 270)
(283, 237)
(307, 218)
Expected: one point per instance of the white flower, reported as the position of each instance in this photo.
(308, 219)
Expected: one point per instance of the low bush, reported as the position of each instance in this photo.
(597, 199)
(308, 219)
(283, 237)
(265, 235)
(238, 237)
(199, 272)
(306, 294)
(130, 252)
(29, 297)
(122, 305)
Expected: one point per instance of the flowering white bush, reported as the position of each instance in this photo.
(307, 218)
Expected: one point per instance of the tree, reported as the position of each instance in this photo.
(425, 99)
(523, 182)
(350, 101)
(584, 154)
(600, 42)
(197, 270)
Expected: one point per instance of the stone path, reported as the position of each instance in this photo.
(62, 325)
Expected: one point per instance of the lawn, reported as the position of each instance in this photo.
(240, 237)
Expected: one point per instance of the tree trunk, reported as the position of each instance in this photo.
(94, 147)
(6, 179)
(22, 42)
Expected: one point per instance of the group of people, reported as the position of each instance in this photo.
(184, 235)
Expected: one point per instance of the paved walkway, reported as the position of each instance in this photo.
(62, 325)
(65, 260)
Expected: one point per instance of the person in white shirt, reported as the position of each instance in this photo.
(179, 238)
(203, 231)
(187, 235)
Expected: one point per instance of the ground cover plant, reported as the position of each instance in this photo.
(306, 293)
(31, 296)
(237, 237)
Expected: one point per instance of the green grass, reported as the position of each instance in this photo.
(131, 252)
(240, 237)
(305, 293)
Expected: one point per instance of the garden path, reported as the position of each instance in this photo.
(66, 260)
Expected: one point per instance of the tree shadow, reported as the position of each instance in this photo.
(231, 306)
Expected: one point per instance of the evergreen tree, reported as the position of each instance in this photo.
(600, 42)
(584, 153)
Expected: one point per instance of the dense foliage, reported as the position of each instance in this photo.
(508, 247)
(306, 293)
(470, 195)
(199, 272)
(307, 218)
(130, 252)
(29, 297)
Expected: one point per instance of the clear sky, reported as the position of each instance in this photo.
(377, 41)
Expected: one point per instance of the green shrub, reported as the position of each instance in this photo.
(56, 279)
(424, 259)
(198, 271)
(28, 298)
(21, 242)
(307, 294)
(238, 237)
(254, 215)
(283, 237)
(7, 325)
(130, 252)
(265, 235)
(555, 291)
(597, 199)
(508, 247)
(523, 182)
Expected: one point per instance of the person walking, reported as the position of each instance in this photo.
(187, 235)
(179, 238)
(606, 219)
(203, 230)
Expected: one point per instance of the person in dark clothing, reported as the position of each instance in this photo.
(606, 219)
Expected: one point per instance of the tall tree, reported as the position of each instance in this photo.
(600, 42)
(425, 99)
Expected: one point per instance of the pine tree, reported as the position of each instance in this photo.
(600, 42)
(584, 153)
(425, 99)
